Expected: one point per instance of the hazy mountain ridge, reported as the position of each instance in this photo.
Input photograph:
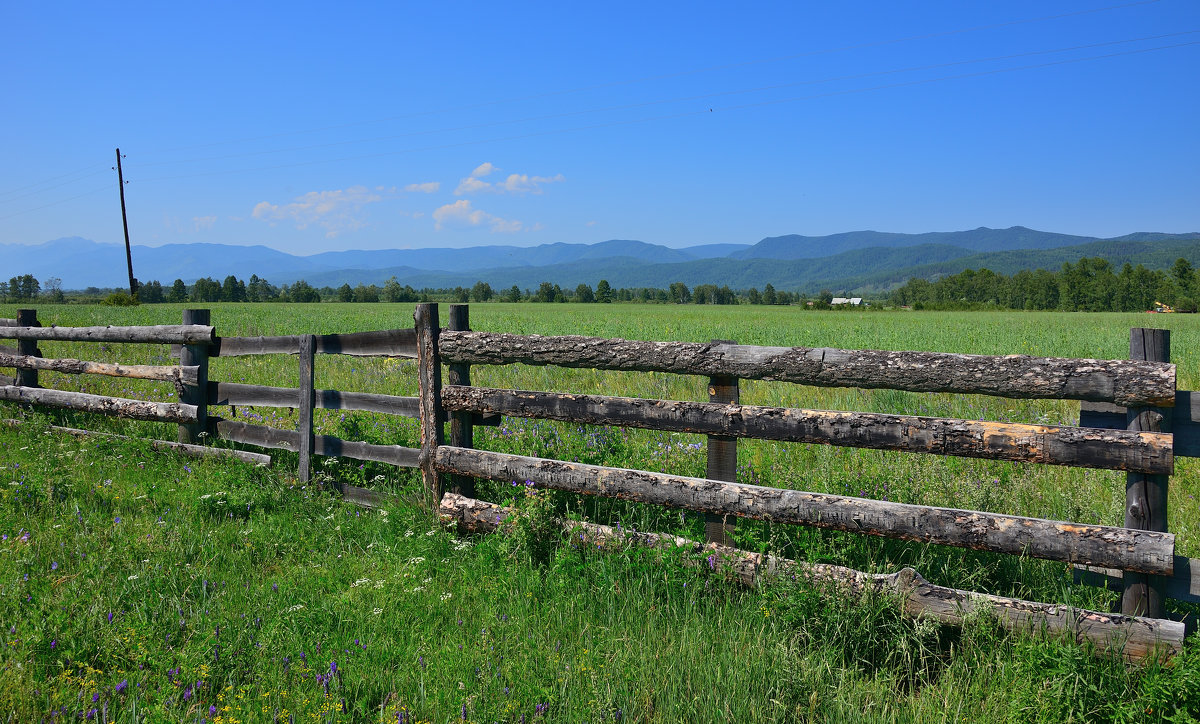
(852, 261)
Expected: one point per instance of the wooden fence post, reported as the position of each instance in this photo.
(197, 394)
(461, 432)
(722, 455)
(1146, 495)
(429, 382)
(308, 344)
(27, 318)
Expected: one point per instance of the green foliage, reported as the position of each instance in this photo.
(120, 299)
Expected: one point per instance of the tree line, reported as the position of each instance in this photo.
(1090, 285)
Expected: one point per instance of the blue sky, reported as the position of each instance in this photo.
(310, 127)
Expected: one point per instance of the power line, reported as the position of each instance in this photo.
(666, 76)
(684, 113)
(678, 99)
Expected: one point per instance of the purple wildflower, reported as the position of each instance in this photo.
(54, 565)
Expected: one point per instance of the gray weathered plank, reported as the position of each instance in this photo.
(27, 347)
(1185, 420)
(99, 404)
(365, 497)
(6, 380)
(1019, 376)
(152, 334)
(1132, 637)
(384, 343)
(327, 445)
(234, 393)
(1182, 585)
(1083, 447)
(1147, 551)
(4, 322)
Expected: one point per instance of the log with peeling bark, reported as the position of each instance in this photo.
(1125, 382)
(196, 451)
(1148, 452)
(1130, 636)
(153, 334)
(168, 373)
(1147, 551)
(115, 406)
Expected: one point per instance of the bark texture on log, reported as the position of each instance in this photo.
(327, 445)
(237, 394)
(1150, 552)
(1126, 382)
(175, 374)
(1081, 447)
(429, 384)
(1135, 638)
(196, 451)
(152, 334)
(115, 406)
(384, 343)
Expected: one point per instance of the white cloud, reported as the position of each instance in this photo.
(424, 188)
(483, 169)
(333, 211)
(461, 212)
(516, 183)
(470, 185)
(519, 183)
(204, 223)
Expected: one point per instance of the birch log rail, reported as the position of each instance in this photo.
(115, 406)
(154, 334)
(1053, 445)
(163, 373)
(1125, 382)
(1133, 637)
(1136, 550)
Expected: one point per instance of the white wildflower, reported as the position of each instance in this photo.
(447, 596)
(131, 578)
(377, 611)
(297, 607)
(360, 582)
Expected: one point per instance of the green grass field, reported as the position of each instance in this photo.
(237, 594)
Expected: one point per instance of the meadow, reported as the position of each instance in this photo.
(141, 586)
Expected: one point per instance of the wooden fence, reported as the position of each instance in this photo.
(1133, 419)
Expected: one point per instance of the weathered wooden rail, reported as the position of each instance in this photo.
(1133, 419)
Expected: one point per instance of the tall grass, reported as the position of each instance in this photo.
(232, 576)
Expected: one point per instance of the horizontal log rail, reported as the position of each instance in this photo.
(1080, 447)
(100, 404)
(385, 343)
(1184, 424)
(1182, 585)
(233, 393)
(163, 373)
(1136, 550)
(9, 323)
(162, 333)
(327, 445)
(197, 451)
(1125, 382)
(6, 380)
(1133, 637)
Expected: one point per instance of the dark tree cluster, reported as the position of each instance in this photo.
(1090, 285)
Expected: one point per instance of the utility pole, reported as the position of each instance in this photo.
(125, 222)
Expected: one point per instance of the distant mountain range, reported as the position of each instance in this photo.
(860, 261)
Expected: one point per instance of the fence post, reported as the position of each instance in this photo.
(27, 318)
(722, 455)
(1146, 495)
(308, 344)
(461, 432)
(429, 383)
(197, 355)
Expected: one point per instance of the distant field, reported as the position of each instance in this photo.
(595, 595)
